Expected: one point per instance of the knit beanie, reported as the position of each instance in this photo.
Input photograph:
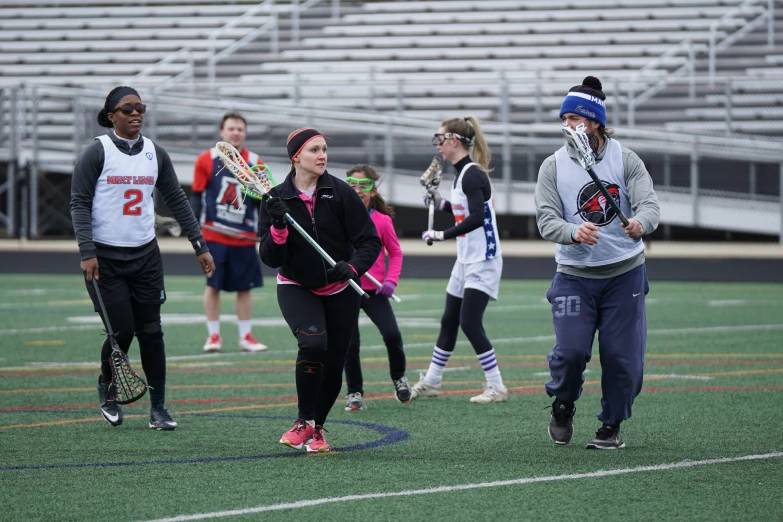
(586, 100)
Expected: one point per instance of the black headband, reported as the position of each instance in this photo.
(296, 143)
(114, 99)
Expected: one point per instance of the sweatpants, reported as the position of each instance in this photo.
(379, 310)
(323, 327)
(615, 308)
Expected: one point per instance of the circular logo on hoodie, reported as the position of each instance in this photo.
(592, 205)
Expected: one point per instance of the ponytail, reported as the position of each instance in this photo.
(470, 128)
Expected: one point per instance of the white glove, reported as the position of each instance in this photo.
(432, 235)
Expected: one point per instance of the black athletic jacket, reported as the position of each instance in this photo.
(340, 224)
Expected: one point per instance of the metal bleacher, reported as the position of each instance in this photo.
(397, 68)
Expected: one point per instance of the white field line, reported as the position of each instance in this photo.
(540, 338)
(464, 487)
(418, 313)
(677, 376)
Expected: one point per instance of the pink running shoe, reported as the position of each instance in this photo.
(318, 443)
(214, 343)
(298, 435)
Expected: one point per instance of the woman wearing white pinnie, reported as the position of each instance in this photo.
(475, 277)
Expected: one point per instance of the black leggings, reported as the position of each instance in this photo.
(129, 318)
(323, 326)
(379, 310)
(468, 313)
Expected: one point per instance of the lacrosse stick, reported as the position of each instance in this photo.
(257, 182)
(229, 233)
(581, 143)
(431, 180)
(126, 384)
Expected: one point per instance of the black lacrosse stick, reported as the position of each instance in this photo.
(126, 386)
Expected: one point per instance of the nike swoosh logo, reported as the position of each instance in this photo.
(636, 295)
(111, 418)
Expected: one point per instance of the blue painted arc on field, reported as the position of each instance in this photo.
(390, 434)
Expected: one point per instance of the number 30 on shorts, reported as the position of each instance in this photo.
(569, 306)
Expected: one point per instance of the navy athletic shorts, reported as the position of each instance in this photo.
(237, 268)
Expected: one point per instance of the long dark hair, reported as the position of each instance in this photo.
(376, 202)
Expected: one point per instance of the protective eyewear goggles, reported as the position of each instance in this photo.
(438, 139)
(364, 184)
(127, 109)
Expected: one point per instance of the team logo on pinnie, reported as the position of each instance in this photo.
(149, 156)
(592, 205)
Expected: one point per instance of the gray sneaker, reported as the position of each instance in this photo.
(355, 402)
(160, 418)
(561, 423)
(607, 438)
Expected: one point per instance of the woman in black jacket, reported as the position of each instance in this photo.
(315, 300)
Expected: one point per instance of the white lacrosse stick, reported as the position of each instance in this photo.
(581, 143)
(257, 183)
(431, 180)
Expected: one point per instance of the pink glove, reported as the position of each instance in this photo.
(386, 289)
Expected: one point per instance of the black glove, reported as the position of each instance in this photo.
(340, 273)
(277, 210)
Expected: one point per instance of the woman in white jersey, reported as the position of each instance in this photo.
(113, 215)
(476, 275)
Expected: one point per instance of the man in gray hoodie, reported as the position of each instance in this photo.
(601, 280)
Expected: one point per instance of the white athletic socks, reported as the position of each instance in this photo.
(490, 365)
(244, 328)
(438, 363)
(213, 327)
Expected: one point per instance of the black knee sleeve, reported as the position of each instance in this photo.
(150, 336)
(152, 349)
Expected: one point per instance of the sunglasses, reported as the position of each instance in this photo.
(128, 109)
(365, 184)
(439, 139)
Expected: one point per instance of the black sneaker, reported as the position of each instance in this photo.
(607, 437)
(561, 423)
(160, 418)
(109, 409)
(402, 390)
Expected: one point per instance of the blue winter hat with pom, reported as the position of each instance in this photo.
(586, 100)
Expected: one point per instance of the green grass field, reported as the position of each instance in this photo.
(712, 396)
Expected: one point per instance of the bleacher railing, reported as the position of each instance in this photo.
(270, 27)
(716, 47)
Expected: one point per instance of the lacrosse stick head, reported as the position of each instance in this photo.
(432, 176)
(126, 386)
(580, 142)
(255, 183)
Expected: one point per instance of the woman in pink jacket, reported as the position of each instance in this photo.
(364, 180)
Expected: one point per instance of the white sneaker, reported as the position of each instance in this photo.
(490, 394)
(250, 344)
(425, 389)
(214, 343)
